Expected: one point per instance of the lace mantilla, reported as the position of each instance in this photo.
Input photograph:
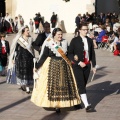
(51, 45)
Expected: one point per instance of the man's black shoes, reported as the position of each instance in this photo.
(90, 109)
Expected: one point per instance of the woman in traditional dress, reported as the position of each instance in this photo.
(55, 87)
(23, 53)
(31, 25)
(8, 23)
(20, 22)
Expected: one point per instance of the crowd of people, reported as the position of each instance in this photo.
(10, 25)
(104, 29)
(60, 75)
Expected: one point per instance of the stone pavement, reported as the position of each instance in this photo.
(103, 93)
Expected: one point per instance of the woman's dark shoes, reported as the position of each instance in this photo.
(3, 75)
(57, 110)
(23, 88)
(77, 107)
(28, 92)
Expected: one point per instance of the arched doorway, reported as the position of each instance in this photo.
(2, 8)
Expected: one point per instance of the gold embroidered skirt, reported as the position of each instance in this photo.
(56, 86)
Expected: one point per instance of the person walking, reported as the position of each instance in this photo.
(37, 44)
(55, 86)
(81, 53)
(23, 53)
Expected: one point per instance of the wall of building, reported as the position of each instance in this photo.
(66, 11)
(9, 6)
(106, 6)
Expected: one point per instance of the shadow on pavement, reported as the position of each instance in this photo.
(100, 73)
(66, 109)
(97, 92)
(55, 116)
(2, 82)
(14, 104)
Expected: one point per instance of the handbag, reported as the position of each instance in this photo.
(1, 68)
(11, 76)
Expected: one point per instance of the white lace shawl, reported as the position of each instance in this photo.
(12, 48)
(49, 42)
(51, 45)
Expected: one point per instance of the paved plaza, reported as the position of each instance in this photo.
(103, 93)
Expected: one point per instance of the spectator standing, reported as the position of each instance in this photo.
(53, 20)
(20, 22)
(77, 20)
(37, 22)
(31, 25)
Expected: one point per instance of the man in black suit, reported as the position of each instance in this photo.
(81, 53)
(41, 37)
(101, 18)
(37, 21)
(77, 20)
(53, 20)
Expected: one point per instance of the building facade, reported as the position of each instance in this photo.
(66, 11)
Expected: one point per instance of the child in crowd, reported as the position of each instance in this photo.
(4, 52)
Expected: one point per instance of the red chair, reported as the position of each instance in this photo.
(116, 52)
(105, 39)
(103, 42)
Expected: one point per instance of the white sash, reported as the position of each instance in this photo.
(25, 45)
